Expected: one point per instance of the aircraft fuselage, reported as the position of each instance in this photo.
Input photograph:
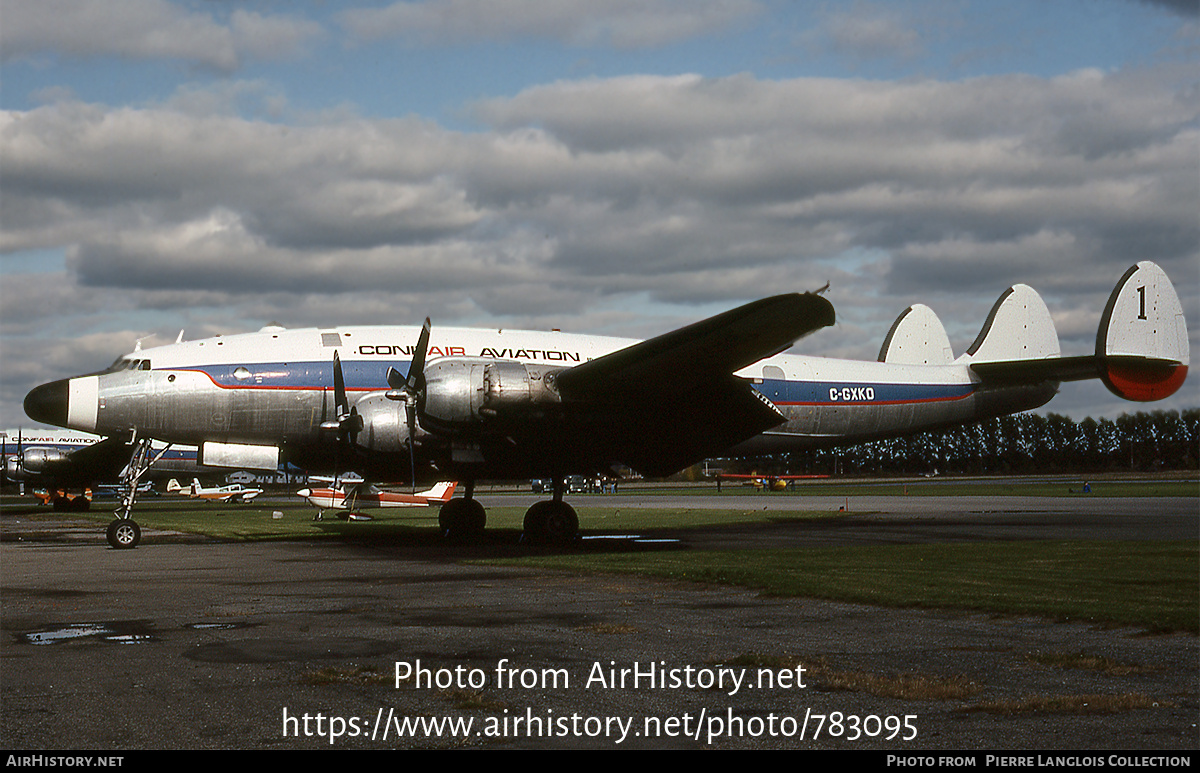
(276, 388)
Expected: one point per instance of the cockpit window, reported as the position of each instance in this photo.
(128, 363)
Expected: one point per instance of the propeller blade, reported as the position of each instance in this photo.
(339, 387)
(416, 370)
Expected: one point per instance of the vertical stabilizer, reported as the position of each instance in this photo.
(1142, 342)
(442, 492)
(1019, 327)
(917, 337)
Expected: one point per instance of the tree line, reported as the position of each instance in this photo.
(1019, 444)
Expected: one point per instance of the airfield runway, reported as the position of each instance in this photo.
(186, 643)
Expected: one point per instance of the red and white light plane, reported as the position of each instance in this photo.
(367, 496)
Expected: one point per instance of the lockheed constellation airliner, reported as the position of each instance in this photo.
(396, 403)
(64, 464)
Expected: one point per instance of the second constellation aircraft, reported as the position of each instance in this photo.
(398, 402)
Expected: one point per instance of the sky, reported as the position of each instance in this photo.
(618, 167)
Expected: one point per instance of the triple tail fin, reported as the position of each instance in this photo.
(1018, 328)
(1142, 343)
(917, 337)
(1142, 350)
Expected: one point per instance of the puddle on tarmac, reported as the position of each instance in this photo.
(116, 632)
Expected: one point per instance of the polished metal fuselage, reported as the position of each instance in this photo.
(276, 388)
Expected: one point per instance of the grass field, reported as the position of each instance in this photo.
(1152, 585)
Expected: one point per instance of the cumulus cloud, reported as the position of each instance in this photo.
(631, 181)
(148, 29)
(687, 191)
(623, 24)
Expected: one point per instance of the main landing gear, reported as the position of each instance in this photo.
(551, 522)
(462, 520)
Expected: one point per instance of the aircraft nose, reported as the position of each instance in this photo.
(304, 492)
(49, 403)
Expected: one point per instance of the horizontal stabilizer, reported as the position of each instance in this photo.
(917, 337)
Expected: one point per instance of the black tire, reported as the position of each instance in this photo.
(535, 521)
(462, 520)
(124, 534)
(562, 525)
(551, 523)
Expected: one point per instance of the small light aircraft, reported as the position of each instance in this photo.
(768, 482)
(235, 492)
(510, 404)
(364, 495)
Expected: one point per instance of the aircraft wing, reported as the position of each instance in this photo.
(100, 461)
(654, 402)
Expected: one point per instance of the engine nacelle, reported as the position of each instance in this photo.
(39, 460)
(36, 461)
(467, 395)
(385, 425)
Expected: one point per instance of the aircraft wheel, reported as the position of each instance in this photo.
(552, 523)
(535, 521)
(562, 524)
(81, 504)
(123, 533)
(462, 519)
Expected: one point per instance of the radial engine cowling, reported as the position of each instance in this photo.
(384, 425)
(36, 460)
(466, 395)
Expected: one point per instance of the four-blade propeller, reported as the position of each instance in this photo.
(410, 389)
(348, 423)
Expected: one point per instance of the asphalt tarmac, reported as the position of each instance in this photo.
(186, 643)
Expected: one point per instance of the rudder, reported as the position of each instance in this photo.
(1142, 341)
(1019, 327)
(917, 337)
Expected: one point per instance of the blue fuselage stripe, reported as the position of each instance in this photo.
(371, 376)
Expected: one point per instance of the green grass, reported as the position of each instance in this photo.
(1146, 584)
(1153, 585)
(933, 487)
